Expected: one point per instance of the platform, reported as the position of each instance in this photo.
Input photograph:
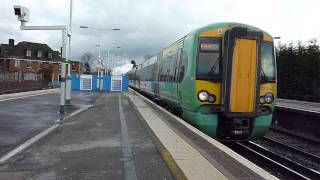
(295, 105)
(123, 136)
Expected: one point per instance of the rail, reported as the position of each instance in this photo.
(285, 166)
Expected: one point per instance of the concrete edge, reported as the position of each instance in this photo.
(261, 172)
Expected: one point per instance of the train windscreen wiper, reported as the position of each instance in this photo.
(213, 68)
(263, 76)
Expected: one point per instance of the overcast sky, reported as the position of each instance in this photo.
(147, 26)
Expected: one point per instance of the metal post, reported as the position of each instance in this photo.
(98, 87)
(108, 59)
(63, 70)
(99, 61)
(101, 79)
(68, 85)
(99, 49)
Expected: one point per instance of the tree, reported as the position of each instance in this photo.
(298, 71)
(87, 59)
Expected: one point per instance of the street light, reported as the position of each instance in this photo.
(113, 29)
(108, 60)
(68, 57)
(276, 49)
(98, 30)
(99, 64)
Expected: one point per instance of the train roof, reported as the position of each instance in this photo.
(228, 25)
(220, 25)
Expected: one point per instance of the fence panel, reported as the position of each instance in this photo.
(18, 81)
(6, 76)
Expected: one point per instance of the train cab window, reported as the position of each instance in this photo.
(267, 62)
(208, 67)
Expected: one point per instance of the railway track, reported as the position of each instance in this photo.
(294, 149)
(287, 168)
(308, 139)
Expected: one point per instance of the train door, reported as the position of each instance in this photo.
(156, 77)
(241, 72)
(243, 76)
(139, 76)
(180, 70)
(178, 74)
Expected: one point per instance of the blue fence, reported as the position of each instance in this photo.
(78, 81)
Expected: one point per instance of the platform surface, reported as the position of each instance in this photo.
(120, 136)
(93, 144)
(22, 115)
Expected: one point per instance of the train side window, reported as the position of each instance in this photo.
(173, 64)
(164, 71)
(183, 65)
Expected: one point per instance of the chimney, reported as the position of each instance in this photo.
(11, 42)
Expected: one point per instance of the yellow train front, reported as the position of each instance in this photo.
(221, 78)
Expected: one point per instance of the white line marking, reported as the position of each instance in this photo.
(13, 98)
(27, 143)
(34, 139)
(217, 144)
(85, 107)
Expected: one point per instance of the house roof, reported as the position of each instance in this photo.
(19, 50)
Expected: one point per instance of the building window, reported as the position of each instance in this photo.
(40, 65)
(73, 66)
(50, 55)
(39, 54)
(28, 53)
(50, 65)
(17, 63)
(29, 64)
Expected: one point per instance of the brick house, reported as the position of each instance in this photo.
(30, 57)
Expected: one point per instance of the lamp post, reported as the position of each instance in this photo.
(108, 57)
(68, 81)
(23, 17)
(276, 49)
(99, 64)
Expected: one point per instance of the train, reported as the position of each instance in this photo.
(221, 78)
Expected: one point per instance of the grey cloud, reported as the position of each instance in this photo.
(147, 26)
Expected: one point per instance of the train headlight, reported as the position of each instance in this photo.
(269, 98)
(262, 100)
(212, 98)
(203, 96)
